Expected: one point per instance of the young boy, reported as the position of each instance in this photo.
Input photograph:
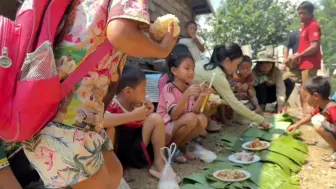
(317, 91)
(139, 133)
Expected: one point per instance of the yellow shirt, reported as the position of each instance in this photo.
(223, 88)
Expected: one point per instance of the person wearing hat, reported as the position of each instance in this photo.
(268, 81)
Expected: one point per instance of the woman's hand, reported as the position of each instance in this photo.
(168, 42)
(265, 124)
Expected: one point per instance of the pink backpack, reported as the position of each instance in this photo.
(30, 89)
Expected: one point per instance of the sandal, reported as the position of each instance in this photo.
(179, 158)
(213, 126)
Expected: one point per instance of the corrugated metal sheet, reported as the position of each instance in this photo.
(153, 87)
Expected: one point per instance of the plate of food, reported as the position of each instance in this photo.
(256, 145)
(232, 175)
(244, 158)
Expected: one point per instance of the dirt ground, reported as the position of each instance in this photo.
(316, 174)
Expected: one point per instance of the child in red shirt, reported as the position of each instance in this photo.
(139, 132)
(317, 91)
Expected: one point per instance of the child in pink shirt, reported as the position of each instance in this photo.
(180, 104)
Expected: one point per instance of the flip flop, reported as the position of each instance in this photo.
(155, 174)
(187, 154)
(179, 158)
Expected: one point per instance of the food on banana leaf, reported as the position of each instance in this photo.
(231, 174)
(257, 144)
(244, 156)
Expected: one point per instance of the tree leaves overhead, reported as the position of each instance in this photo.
(255, 22)
(326, 16)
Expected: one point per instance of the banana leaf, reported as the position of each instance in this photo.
(293, 143)
(193, 186)
(284, 162)
(254, 132)
(200, 178)
(292, 153)
(270, 136)
(267, 176)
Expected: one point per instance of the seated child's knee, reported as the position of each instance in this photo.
(191, 119)
(157, 118)
(203, 120)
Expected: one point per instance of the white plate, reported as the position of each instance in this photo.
(248, 175)
(246, 146)
(244, 101)
(233, 159)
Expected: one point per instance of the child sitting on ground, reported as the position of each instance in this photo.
(139, 133)
(180, 104)
(242, 84)
(317, 91)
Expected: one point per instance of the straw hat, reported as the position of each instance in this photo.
(265, 56)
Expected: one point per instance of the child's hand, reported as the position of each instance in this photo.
(293, 128)
(141, 113)
(149, 106)
(193, 90)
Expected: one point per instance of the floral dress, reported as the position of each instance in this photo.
(69, 149)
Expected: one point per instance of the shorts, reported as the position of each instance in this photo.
(130, 148)
(64, 155)
(331, 130)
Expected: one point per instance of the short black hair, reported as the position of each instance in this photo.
(306, 5)
(131, 77)
(190, 22)
(246, 59)
(319, 85)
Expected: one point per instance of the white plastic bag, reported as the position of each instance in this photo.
(168, 177)
(123, 184)
(203, 154)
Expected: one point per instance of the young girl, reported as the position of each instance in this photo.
(73, 149)
(242, 84)
(180, 104)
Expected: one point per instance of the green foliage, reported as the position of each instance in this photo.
(326, 16)
(255, 22)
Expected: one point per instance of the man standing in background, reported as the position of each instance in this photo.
(309, 54)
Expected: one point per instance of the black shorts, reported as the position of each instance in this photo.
(130, 148)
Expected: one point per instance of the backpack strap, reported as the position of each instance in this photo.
(91, 61)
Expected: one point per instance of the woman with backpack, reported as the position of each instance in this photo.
(73, 149)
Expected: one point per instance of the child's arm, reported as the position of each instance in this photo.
(198, 104)
(178, 110)
(297, 125)
(138, 114)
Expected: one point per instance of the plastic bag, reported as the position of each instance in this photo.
(168, 177)
(123, 184)
(203, 154)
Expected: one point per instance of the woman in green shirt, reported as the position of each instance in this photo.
(224, 61)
